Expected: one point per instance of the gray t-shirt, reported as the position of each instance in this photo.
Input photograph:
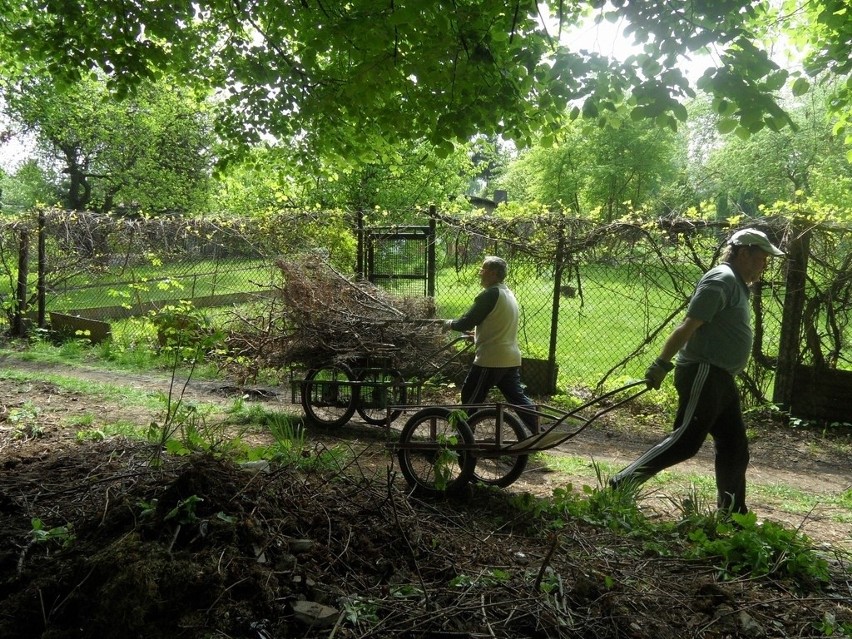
(721, 301)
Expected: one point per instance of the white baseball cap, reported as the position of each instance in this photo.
(753, 237)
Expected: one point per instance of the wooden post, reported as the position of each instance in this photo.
(791, 320)
(361, 263)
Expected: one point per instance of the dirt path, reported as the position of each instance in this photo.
(782, 458)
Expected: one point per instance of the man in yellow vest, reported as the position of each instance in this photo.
(497, 363)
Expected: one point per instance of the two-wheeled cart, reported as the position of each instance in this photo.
(367, 384)
(443, 448)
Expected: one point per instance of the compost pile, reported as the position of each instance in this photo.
(197, 547)
(331, 318)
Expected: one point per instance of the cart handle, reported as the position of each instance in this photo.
(417, 321)
(608, 394)
(550, 439)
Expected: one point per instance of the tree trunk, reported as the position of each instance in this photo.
(791, 320)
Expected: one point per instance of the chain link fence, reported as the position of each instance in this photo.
(60, 265)
(596, 300)
(599, 300)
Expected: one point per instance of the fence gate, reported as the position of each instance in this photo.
(399, 259)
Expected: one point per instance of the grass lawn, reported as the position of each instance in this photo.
(155, 282)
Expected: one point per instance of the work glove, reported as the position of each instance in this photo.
(447, 326)
(657, 372)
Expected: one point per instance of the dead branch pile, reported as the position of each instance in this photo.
(333, 318)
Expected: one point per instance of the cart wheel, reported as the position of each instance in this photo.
(495, 469)
(328, 396)
(426, 455)
(379, 389)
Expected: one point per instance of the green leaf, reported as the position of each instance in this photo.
(176, 447)
(726, 125)
(801, 86)
(742, 133)
(776, 80)
(776, 123)
(590, 108)
(639, 113)
(725, 108)
(444, 149)
(666, 121)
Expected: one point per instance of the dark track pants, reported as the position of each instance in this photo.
(708, 404)
(480, 380)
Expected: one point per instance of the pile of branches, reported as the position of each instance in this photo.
(332, 318)
(320, 317)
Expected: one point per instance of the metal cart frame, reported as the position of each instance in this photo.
(332, 394)
(443, 448)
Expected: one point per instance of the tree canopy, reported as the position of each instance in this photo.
(597, 171)
(789, 166)
(151, 151)
(269, 179)
(350, 77)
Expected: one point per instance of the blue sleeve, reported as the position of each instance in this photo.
(483, 304)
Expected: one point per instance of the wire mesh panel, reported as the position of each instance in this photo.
(398, 259)
(596, 300)
(461, 245)
(122, 269)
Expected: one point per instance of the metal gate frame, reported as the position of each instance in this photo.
(373, 241)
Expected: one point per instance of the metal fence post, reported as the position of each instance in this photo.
(19, 328)
(430, 254)
(42, 270)
(558, 268)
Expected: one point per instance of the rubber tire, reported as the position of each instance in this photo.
(418, 466)
(341, 407)
(393, 380)
(502, 470)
